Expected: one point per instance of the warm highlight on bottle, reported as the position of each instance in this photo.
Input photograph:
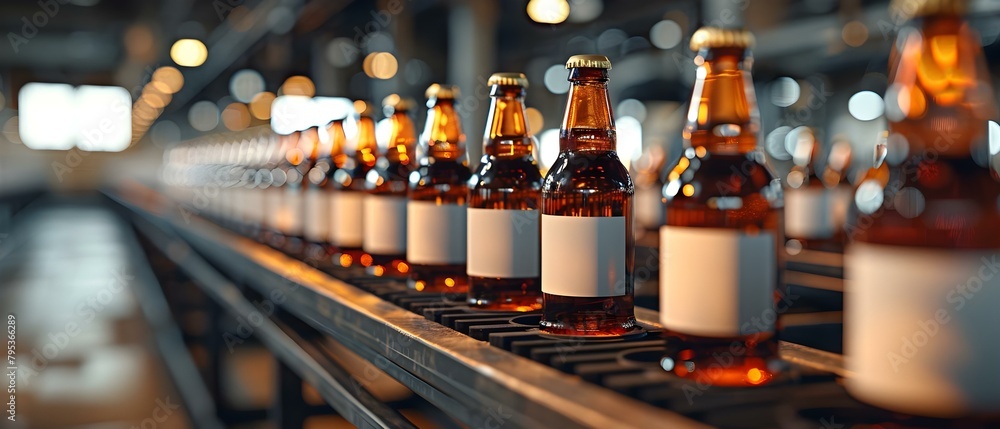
(347, 184)
(719, 247)
(587, 239)
(504, 205)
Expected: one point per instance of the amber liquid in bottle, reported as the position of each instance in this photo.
(719, 246)
(295, 178)
(347, 230)
(441, 186)
(588, 180)
(507, 179)
(920, 323)
(809, 223)
(384, 225)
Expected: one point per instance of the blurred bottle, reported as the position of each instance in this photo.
(347, 187)
(274, 193)
(504, 202)
(587, 238)
(319, 197)
(809, 221)
(384, 225)
(719, 247)
(439, 188)
(922, 284)
(649, 195)
(837, 178)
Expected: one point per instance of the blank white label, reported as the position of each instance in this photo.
(316, 219)
(385, 225)
(583, 256)
(716, 282)
(920, 328)
(291, 213)
(435, 233)
(808, 213)
(649, 207)
(503, 243)
(347, 214)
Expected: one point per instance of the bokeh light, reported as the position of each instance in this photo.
(260, 105)
(203, 116)
(298, 85)
(555, 79)
(245, 84)
(665, 34)
(548, 11)
(189, 52)
(236, 117)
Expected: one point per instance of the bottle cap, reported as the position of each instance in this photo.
(441, 91)
(588, 61)
(512, 79)
(909, 9)
(395, 103)
(713, 37)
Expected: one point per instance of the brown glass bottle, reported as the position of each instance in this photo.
(837, 179)
(292, 213)
(386, 185)
(587, 239)
(720, 244)
(327, 156)
(923, 291)
(436, 212)
(348, 186)
(648, 177)
(505, 196)
(286, 156)
(809, 220)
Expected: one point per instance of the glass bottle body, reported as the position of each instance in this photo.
(349, 189)
(385, 202)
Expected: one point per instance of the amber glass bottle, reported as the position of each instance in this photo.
(505, 196)
(384, 222)
(347, 183)
(923, 290)
(328, 155)
(837, 177)
(272, 181)
(587, 239)
(719, 246)
(439, 188)
(648, 176)
(809, 222)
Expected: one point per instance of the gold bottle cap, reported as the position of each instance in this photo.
(442, 91)
(511, 79)
(909, 9)
(588, 61)
(397, 103)
(714, 37)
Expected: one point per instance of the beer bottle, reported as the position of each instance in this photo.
(587, 239)
(505, 195)
(649, 196)
(325, 158)
(348, 185)
(384, 223)
(837, 178)
(922, 289)
(719, 245)
(436, 212)
(284, 149)
(809, 220)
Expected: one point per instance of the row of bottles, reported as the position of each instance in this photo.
(920, 285)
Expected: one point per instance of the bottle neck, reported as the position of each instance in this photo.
(401, 140)
(723, 115)
(507, 134)
(940, 95)
(443, 137)
(366, 152)
(338, 138)
(588, 124)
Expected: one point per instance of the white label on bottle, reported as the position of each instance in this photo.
(435, 233)
(649, 207)
(716, 282)
(316, 218)
(583, 256)
(274, 197)
(347, 212)
(808, 213)
(503, 243)
(385, 225)
(291, 214)
(920, 328)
